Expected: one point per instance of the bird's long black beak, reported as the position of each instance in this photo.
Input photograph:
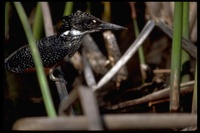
(109, 26)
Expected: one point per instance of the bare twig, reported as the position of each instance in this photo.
(89, 76)
(89, 105)
(164, 12)
(166, 70)
(194, 99)
(90, 108)
(47, 19)
(66, 103)
(193, 14)
(76, 60)
(61, 88)
(152, 97)
(187, 45)
(114, 55)
(96, 58)
(112, 122)
(161, 10)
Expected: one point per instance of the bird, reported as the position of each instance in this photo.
(60, 47)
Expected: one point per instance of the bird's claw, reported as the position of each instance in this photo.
(55, 79)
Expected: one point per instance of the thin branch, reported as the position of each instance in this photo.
(67, 101)
(194, 99)
(187, 45)
(96, 59)
(114, 54)
(166, 70)
(90, 108)
(47, 19)
(88, 74)
(152, 97)
(112, 122)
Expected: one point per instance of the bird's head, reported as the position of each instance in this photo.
(81, 23)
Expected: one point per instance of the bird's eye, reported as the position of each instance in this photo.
(88, 22)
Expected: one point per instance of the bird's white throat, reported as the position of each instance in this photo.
(72, 32)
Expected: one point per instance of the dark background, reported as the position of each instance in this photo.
(21, 93)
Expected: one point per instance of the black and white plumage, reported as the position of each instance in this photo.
(54, 48)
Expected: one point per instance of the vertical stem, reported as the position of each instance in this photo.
(185, 59)
(107, 11)
(48, 24)
(186, 20)
(68, 8)
(194, 102)
(140, 51)
(38, 23)
(7, 8)
(176, 58)
(88, 7)
(37, 61)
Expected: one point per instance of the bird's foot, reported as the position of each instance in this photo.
(55, 79)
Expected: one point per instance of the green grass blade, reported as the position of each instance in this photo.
(140, 50)
(194, 102)
(176, 58)
(38, 23)
(37, 60)
(185, 63)
(68, 8)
